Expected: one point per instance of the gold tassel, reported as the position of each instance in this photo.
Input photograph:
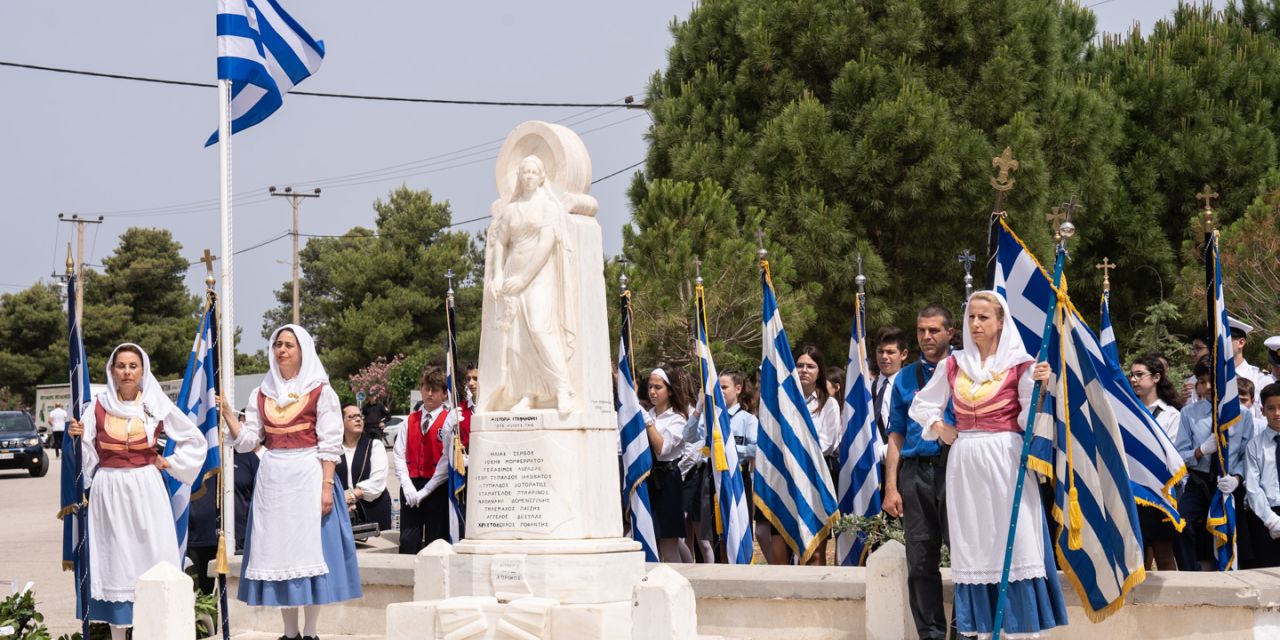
(1075, 521)
(220, 564)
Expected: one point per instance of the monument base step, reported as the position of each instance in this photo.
(485, 618)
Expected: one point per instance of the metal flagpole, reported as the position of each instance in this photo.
(1063, 229)
(227, 323)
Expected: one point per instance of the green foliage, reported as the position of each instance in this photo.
(376, 293)
(879, 529)
(140, 297)
(18, 611)
(1154, 336)
(33, 341)
(403, 378)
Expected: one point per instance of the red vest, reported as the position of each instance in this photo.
(130, 453)
(994, 407)
(293, 427)
(422, 452)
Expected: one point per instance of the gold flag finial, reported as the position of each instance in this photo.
(208, 259)
(1106, 266)
(1208, 195)
(1001, 182)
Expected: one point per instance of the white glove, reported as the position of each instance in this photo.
(697, 409)
(412, 497)
(1228, 484)
(1209, 446)
(1274, 528)
(880, 448)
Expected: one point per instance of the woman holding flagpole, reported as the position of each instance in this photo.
(298, 550)
(131, 525)
(989, 384)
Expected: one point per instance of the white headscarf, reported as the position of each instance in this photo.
(311, 373)
(154, 405)
(1010, 352)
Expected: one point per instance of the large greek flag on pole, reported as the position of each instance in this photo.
(264, 52)
(859, 480)
(1079, 443)
(733, 518)
(792, 484)
(1154, 465)
(196, 401)
(1226, 409)
(453, 445)
(636, 461)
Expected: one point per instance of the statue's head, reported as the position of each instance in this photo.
(530, 174)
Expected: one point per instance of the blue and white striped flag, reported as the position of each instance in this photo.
(1154, 464)
(264, 52)
(453, 449)
(1078, 442)
(1107, 334)
(859, 480)
(196, 400)
(636, 460)
(792, 484)
(75, 533)
(733, 518)
(1225, 397)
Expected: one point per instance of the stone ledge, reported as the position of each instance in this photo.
(762, 581)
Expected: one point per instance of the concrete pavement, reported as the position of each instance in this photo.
(31, 544)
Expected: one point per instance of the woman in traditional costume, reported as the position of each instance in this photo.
(989, 384)
(298, 548)
(130, 517)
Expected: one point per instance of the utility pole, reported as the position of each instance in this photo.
(79, 263)
(295, 199)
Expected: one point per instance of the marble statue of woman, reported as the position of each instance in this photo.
(531, 270)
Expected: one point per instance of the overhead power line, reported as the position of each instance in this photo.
(629, 104)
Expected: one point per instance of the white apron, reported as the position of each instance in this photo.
(284, 542)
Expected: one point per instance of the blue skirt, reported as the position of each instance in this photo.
(1034, 605)
(342, 582)
(119, 614)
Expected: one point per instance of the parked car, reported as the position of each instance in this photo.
(20, 445)
(392, 428)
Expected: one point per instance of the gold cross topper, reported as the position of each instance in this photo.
(1106, 267)
(1208, 195)
(208, 265)
(1055, 217)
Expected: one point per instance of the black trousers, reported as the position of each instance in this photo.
(923, 485)
(425, 523)
(55, 443)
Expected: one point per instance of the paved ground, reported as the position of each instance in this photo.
(31, 544)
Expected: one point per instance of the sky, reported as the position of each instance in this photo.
(133, 152)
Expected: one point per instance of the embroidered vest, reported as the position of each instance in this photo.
(988, 406)
(118, 444)
(291, 427)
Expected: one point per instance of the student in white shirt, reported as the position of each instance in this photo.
(1156, 391)
(824, 410)
(665, 430)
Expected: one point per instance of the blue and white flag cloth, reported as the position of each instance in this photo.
(1106, 333)
(792, 484)
(637, 463)
(74, 506)
(196, 401)
(733, 517)
(264, 52)
(1154, 464)
(453, 449)
(1225, 412)
(859, 476)
(1078, 441)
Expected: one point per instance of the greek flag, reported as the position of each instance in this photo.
(1078, 441)
(634, 443)
(733, 519)
(454, 451)
(859, 480)
(1154, 465)
(75, 533)
(792, 483)
(1226, 409)
(264, 52)
(195, 399)
(1106, 334)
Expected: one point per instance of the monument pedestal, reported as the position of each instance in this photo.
(544, 554)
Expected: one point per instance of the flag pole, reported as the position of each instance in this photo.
(1063, 229)
(226, 324)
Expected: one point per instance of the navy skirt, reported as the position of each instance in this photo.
(665, 492)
